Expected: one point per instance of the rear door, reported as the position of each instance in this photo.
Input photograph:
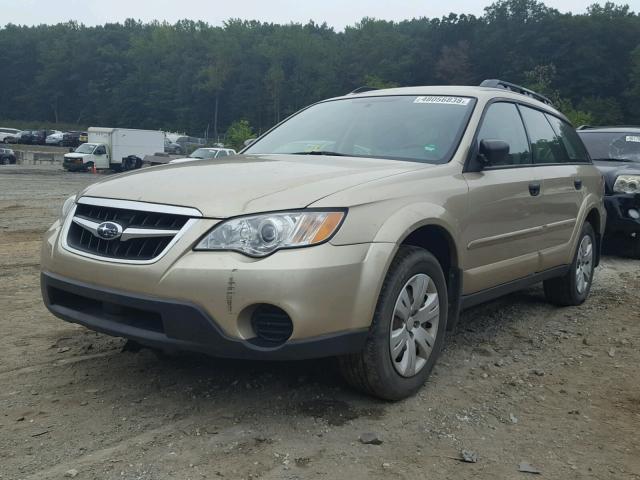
(505, 218)
(557, 155)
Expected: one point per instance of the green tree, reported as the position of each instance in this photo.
(238, 133)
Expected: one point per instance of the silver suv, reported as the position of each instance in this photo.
(359, 227)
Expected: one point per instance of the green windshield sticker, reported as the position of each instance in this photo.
(443, 100)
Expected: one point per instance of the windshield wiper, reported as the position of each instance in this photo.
(320, 152)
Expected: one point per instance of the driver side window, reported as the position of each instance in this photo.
(100, 150)
(502, 122)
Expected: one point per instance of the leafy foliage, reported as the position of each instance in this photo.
(196, 78)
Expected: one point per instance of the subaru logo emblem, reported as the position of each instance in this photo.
(109, 230)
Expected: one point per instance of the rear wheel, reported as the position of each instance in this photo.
(573, 288)
(407, 331)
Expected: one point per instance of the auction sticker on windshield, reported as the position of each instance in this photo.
(633, 138)
(443, 100)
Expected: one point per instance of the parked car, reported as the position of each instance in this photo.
(6, 134)
(7, 156)
(73, 139)
(172, 148)
(357, 228)
(25, 137)
(616, 152)
(55, 138)
(206, 154)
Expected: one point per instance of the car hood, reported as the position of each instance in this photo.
(247, 184)
(76, 155)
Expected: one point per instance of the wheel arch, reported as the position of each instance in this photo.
(594, 218)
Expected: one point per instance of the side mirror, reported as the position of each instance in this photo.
(249, 141)
(493, 152)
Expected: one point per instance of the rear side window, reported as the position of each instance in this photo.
(502, 122)
(570, 140)
(545, 144)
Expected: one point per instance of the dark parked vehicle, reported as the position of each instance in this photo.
(74, 139)
(172, 148)
(616, 152)
(25, 137)
(7, 156)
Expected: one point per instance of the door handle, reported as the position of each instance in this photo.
(534, 189)
(577, 182)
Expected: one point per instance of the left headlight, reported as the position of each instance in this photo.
(66, 207)
(261, 235)
(627, 184)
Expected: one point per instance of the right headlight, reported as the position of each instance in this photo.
(261, 235)
(627, 184)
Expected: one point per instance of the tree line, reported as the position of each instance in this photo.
(196, 78)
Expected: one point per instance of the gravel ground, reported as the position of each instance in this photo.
(519, 382)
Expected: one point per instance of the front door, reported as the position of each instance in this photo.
(505, 217)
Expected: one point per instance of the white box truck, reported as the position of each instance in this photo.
(119, 149)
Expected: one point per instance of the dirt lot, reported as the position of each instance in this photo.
(520, 381)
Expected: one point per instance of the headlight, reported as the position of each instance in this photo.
(627, 184)
(261, 235)
(66, 207)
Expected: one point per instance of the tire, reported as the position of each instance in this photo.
(5, 161)
(373, 370)
(568, 290)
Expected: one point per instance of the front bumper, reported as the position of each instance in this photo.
(73, 164)
(201, 301)
(173, 325)
(618, 218)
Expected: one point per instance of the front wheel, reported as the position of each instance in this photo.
(407, 331)
(573, 288)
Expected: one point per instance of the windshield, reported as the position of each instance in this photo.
(416, 128)
(612, 145)
(203, 153)
(86, 148)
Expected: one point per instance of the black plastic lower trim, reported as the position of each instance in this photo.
(618, 219)
(174, 325)
(499, 290)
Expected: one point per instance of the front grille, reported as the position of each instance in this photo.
(162, 228)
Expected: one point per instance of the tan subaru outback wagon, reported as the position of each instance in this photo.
(359, 227)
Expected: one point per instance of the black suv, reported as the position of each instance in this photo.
(72, 139)
(616, 152)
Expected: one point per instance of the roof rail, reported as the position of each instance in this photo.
(494, 83)
(362, 89)
(584, 127)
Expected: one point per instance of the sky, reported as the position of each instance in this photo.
(336, 13)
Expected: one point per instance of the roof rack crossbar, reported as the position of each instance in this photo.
(362, 89)
(495, 83)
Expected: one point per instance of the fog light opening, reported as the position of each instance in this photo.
(271, 325)
(633, 213)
